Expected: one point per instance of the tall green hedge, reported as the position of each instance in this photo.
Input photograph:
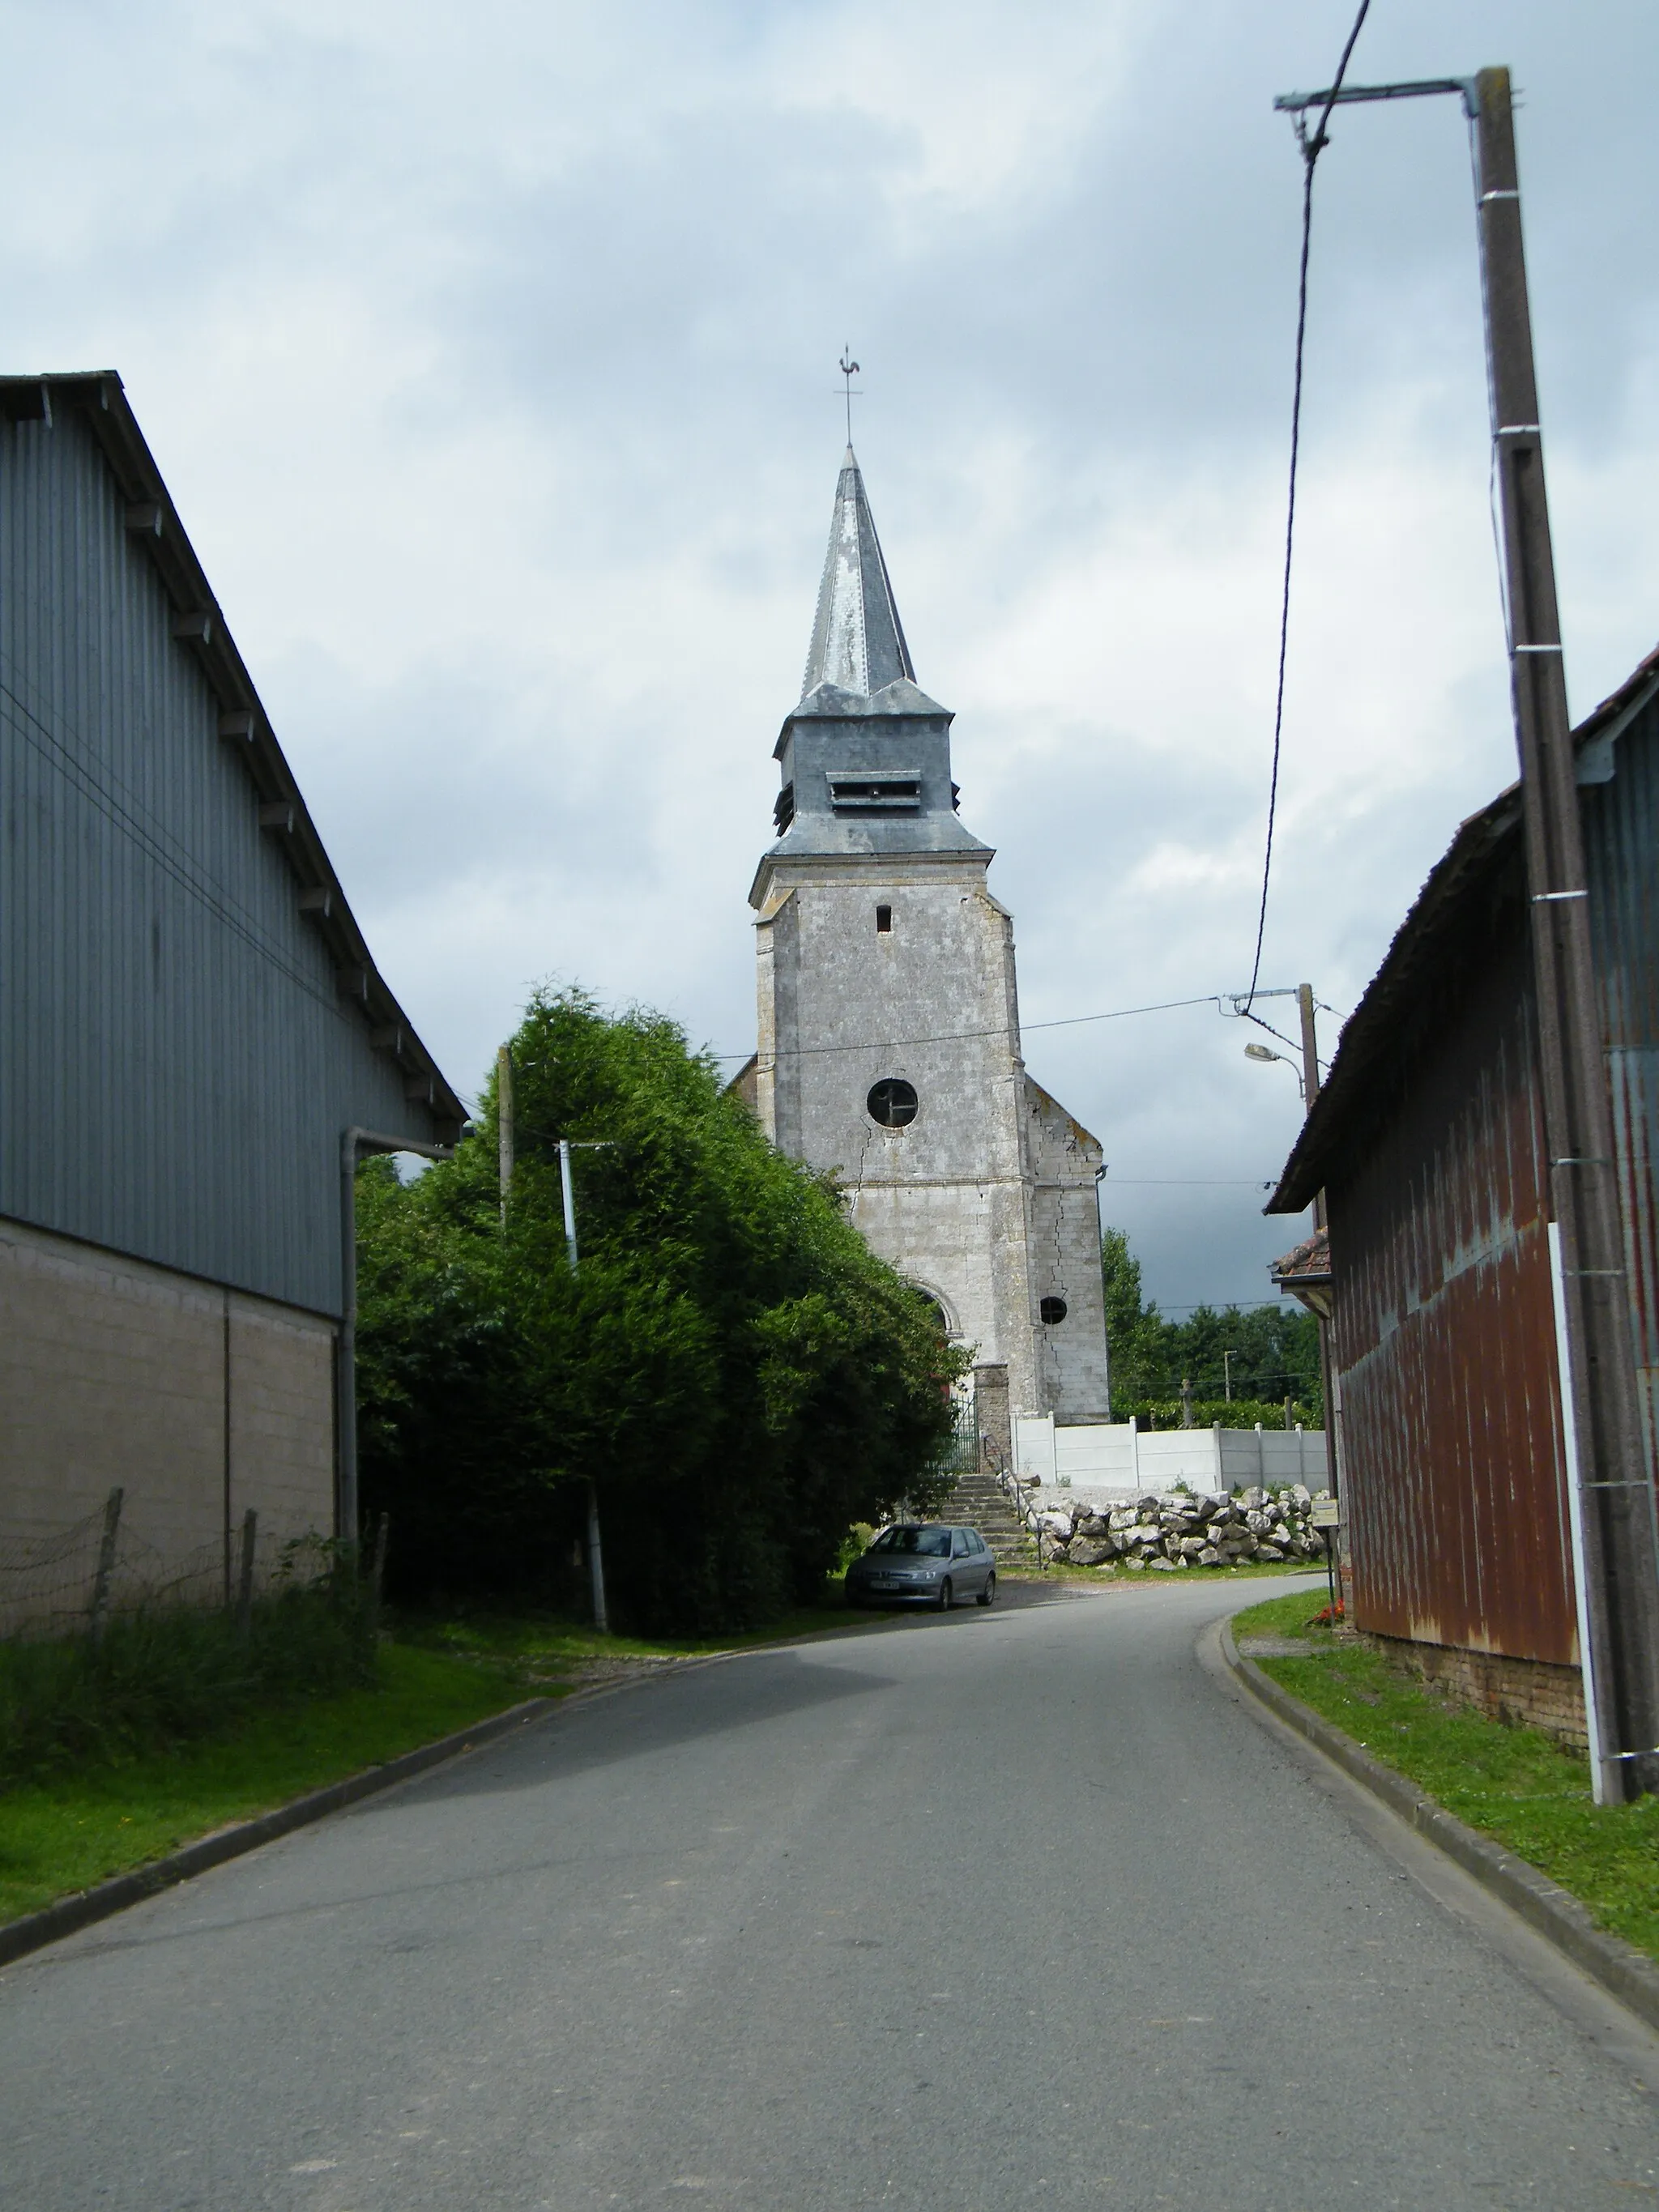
(731, 1365)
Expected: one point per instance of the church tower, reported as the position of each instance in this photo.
(889, 1043)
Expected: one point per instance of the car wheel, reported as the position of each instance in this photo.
(947, 1596)
(988, 1595)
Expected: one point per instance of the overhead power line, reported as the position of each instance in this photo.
(1313, 145)
(1216, 999)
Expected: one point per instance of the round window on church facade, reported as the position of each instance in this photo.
(892, 1102)
(1052, 1310)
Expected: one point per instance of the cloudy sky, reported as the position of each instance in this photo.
(489, 353)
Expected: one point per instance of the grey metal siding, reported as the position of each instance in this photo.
(175, 1065)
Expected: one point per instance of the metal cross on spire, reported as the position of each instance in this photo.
(849, 369)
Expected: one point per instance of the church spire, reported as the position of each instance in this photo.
(858, 640)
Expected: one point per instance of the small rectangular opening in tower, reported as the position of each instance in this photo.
(875, 790)
(883, 920)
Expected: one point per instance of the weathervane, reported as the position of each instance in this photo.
(849, 369)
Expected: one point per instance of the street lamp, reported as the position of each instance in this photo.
(1254, 1051)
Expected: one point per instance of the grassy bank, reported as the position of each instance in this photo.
(1513, 1784)
(105, 1816)
(169, 1675)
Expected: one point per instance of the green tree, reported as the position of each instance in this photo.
(1134, 1328)
(729, 1364)
(1275, 1354)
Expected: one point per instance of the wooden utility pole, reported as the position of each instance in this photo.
(1609, 1484)
(1305, 1000)
(1613, 1487)
(1306, 1008)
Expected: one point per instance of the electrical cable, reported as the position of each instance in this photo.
(1312, 147)
(1271, 1030)
(958, 1036)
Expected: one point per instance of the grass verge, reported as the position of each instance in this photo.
(103, 1819)
(1515, 1785)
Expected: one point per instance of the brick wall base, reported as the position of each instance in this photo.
(198, 1401)
(1532, 1692)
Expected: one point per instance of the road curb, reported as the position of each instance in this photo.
(1552, 1911)
(18, 1938)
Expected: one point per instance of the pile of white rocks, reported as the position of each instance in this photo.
(1183, 1529)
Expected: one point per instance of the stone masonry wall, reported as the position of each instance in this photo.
(930, 1000)
(112, 1371)
(1065, 1233)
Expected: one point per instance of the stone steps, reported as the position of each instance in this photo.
(978, 1500)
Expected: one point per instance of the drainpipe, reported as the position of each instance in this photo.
(354, 1143)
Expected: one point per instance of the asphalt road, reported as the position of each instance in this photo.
(999, 1911)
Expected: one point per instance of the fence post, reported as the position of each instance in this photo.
(244, 1579)
(1220, 1463)
(105, 1564)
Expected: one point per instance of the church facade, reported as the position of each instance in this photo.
(888, 1017)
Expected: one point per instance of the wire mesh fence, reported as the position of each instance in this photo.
(99, 1567)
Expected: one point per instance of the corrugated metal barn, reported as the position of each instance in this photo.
(192, 1027)
(1428, 1141)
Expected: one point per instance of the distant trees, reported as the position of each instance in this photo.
(731, 1365)
(1275, 1352)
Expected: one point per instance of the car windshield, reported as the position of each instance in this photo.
(926, 1543)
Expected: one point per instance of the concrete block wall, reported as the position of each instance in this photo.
(198, 1400)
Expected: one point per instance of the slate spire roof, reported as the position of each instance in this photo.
(866, 754)
(858, 640)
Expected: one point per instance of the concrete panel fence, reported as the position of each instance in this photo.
(1114, 1459)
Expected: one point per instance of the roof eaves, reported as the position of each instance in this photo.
(1479, 843)
(1480, 846)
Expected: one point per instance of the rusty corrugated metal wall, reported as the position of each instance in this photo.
(1445, 1324)
(1621, 853)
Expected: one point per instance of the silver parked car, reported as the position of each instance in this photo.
(924, 1563)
